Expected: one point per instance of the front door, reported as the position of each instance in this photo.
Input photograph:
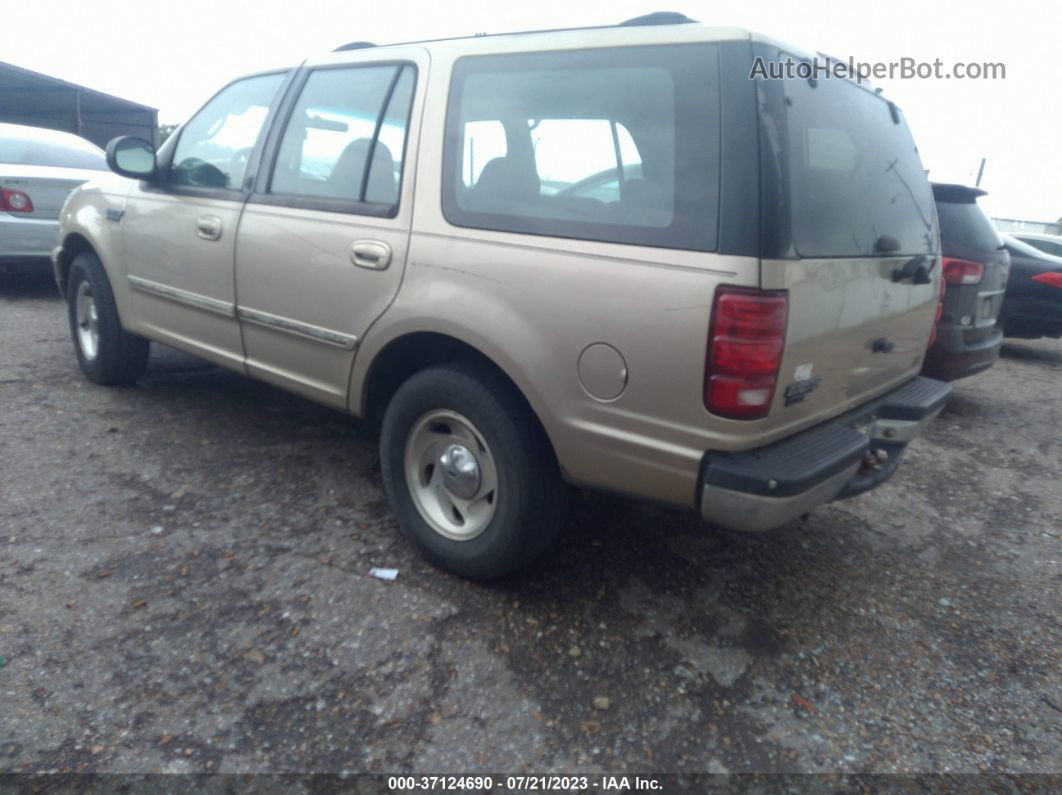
(322, 242)
(180, 233)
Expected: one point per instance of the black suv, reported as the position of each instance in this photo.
(975, 264)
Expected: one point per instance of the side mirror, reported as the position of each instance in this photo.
(132, 157)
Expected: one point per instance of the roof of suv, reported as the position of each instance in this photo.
(662, 27)
(614, 35)
(655, 18)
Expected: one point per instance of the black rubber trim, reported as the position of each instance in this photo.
(739, 180)
(802, 461)
(795, 464)
(915, 400)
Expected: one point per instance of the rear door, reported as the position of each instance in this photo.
(322, 242)
(850, 233)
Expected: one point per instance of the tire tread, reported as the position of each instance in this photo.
(122, 357)
(539, 493)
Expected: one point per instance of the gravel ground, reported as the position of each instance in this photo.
(184, 587)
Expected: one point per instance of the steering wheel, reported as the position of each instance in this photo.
(195, 171)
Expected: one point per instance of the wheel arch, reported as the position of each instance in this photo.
(414, 351)
(74, 244)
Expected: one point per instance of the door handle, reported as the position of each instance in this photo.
(208, 227)
(372, 254)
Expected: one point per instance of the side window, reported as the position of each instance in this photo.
(484, 141)
(345, 139)
(605, 158)
(618, 145)
(385, 174)
(215, 145)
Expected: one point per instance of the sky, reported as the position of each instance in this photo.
(173, 55)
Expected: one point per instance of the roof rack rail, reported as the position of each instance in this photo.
(354, 45)
(657, 18)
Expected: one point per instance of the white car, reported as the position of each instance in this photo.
(1049, 244)
(38, 169)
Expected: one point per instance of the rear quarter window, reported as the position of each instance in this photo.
(611, 144)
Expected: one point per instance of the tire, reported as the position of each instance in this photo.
(452, 406)
(116, 357)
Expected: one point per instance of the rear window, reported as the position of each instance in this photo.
(965, 224)
(854, 173)
(615, 144)
(27, 151)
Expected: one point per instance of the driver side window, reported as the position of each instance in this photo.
(214, 146)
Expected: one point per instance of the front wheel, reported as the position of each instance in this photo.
(470, 473)
(107, 353)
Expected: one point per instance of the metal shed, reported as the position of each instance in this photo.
(28, 97)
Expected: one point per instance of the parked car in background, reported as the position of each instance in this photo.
(1032, 306)
(38, 169)
(1049, 244)
(974, 265)
(393, 231)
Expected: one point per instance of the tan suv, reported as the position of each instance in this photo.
(615, 257)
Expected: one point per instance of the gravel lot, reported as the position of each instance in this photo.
(184, 587)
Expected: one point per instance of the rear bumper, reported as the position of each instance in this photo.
(32, 264)
(767, 487)
(27, 238)
(952, 357)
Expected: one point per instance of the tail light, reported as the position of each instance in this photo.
(962, 271)
(745, 344)
(1050, 279)
(15, 201)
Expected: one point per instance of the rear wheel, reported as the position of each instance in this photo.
(470, 473)
(107, 353)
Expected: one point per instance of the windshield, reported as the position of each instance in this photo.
(71, 152)
(856, 179)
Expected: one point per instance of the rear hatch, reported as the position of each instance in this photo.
(967, 235)
(849, 231)
(46, 186)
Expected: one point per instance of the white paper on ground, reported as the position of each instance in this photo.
(384, 574)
